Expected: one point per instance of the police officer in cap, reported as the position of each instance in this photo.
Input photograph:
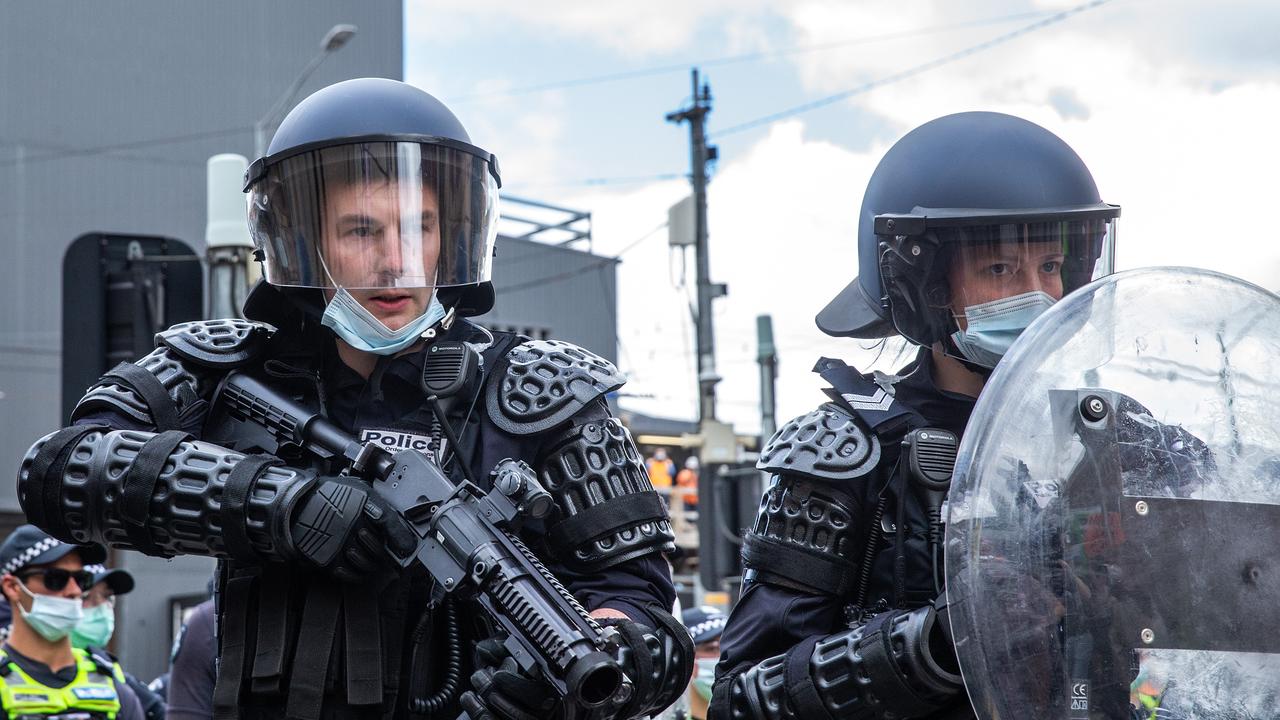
(374, 216)
(41, 673)
(971, 226)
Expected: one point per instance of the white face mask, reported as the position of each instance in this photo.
(52, 616)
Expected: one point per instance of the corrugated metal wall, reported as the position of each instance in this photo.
(569, 294)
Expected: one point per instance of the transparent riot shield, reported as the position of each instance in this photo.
(1113, 535)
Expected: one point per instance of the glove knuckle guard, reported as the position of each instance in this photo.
(325, 521)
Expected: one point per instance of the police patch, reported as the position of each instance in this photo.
(393, 441)
(95, 693)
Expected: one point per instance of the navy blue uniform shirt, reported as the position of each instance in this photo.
(769, 620)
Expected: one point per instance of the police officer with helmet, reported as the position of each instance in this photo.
(971, 226)
(374, 216)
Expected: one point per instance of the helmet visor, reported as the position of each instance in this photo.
(935, 279)
(376, 215)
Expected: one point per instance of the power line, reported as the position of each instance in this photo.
(133, 145)
(742, 58)
(618, 180)
(912, 71)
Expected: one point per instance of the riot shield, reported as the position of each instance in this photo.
(1114, 523)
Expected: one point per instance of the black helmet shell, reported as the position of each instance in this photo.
(366, 110)
(972, 166)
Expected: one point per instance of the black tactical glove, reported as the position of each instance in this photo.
(659, 662)
(503, 690)
(349, 531)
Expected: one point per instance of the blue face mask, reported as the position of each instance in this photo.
(993, 326)
(362, 331)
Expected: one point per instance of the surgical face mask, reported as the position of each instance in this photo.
(51, 616)
(704, 677)
(362, 331)
(96, 627)
(993, 326)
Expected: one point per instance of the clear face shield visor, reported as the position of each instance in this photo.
(945, 275)
(376, 215)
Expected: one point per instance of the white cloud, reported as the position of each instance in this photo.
(1191, 166)
(1176, 123)
(632, 29)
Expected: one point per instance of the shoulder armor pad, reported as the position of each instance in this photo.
(826, 444)
(222, 344)
(544, 383)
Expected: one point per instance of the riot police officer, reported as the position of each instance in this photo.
(374, 216)
(971, 226)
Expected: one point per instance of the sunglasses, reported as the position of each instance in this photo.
(55, 579)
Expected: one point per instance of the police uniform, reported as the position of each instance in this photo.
(313, 619)
(980, 217)
(92, 688)
(835, 488)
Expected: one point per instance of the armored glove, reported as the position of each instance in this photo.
(351, 532)
(503, 690)
(659, 663)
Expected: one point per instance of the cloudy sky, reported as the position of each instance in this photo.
(1174, 104)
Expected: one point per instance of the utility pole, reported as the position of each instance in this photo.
(767, 357)
(700, 154)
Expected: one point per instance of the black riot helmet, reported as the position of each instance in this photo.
(998, 192)
(372, 183)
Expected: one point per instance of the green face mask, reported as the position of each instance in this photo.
(96, 627)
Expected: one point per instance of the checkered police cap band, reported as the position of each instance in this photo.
(96, 569)
(31, 553)
(714, 624)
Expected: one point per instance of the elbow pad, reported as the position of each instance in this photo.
(897, 665)
(160, 493)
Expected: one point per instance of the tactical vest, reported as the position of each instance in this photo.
(93, 690)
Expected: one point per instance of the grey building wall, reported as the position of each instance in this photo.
(558, 292)
(108, 112)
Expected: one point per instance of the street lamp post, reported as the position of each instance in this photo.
(337, 36)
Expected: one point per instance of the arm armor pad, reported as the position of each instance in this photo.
(187, 364)
(609, 512)
(805, 529)
(82, 492)
(543, 383)
(804, 537)
(886, 669)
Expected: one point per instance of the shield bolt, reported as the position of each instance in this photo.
(1093, 408)
(1141, 508)
(1148, 636)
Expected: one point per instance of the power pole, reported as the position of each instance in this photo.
(700, 154)
(767, 357)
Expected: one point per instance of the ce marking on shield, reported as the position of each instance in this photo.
(1079, 699)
